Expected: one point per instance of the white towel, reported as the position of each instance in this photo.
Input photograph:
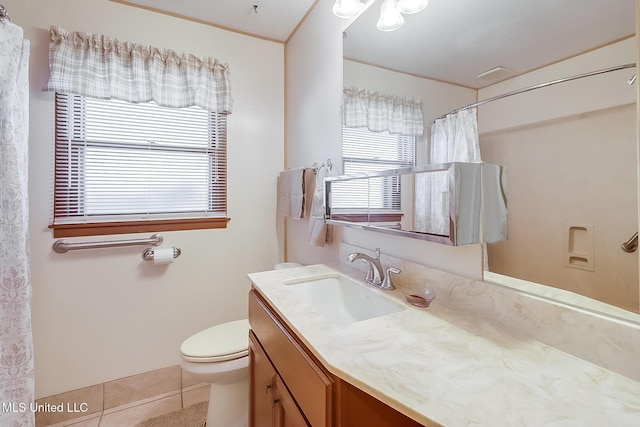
(318, 229)
(291, 193)
(494, 183)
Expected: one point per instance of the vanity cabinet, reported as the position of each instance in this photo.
(285, 411)
(295, 372)
(271, 403)
(289, 387)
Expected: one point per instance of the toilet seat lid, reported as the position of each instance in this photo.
(219, 343)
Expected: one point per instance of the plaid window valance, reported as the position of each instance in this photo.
(102, 67)
(380, 112)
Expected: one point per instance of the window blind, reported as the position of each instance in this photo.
(364, 151)
(118, 161)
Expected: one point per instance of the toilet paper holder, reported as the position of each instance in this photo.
(148, 253)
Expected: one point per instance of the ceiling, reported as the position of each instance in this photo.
(455, 40)
(271, 19)
(451, 40)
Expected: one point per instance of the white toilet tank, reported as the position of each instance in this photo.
(283, 265)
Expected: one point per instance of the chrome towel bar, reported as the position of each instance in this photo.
(61, 245)
(632, 244)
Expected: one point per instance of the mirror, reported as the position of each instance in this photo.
(452, 42)
(451, 203)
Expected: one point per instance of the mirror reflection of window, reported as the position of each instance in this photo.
(364, 151)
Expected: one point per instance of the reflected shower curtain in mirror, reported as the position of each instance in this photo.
(454, 138)
(16, 343)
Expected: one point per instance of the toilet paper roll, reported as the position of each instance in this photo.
(162, 256)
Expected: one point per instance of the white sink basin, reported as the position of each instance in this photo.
(341, 299)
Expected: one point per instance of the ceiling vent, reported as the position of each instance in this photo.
(497, 73)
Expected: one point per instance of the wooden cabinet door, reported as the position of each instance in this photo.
(305, 379)
(357, 408)
(286, 412)
(270, 404)
(262, 378)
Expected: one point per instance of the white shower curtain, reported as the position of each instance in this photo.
(454, 138)
(16, 343)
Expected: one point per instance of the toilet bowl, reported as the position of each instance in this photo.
(219, 355)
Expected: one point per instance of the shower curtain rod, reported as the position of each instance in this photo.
(541, 85)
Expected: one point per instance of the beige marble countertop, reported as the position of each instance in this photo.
(444, 366)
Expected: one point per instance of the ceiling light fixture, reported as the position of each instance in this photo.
(391, 11)
(390, 17)
(346, 9)
(408, 7)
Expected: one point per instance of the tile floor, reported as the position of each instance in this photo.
(133, 413)
(127, 401)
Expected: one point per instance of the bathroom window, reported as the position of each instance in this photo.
(364, 151)
(124, 168)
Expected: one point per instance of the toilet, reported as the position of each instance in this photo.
(220, 355)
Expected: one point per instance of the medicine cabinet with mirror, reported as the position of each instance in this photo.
(450, 203)
(569, 151)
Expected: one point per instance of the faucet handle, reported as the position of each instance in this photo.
(387, 283)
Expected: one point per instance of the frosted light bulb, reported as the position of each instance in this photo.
(411, 6)
(346, 9)
(390, 19)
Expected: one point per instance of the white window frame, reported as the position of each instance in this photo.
(364, 151)
(72, 215)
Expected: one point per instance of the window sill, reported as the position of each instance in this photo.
(373, 217)
(126, 227)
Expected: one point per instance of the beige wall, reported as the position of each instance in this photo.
(565, 99)
(105, 314)
(314, 93)
(637, 85)
(313, 98)
(570, 153)
(576, 172)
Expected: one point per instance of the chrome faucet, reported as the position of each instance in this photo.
(376, 275)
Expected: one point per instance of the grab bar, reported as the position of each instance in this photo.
(632, 244)
(61, 246)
